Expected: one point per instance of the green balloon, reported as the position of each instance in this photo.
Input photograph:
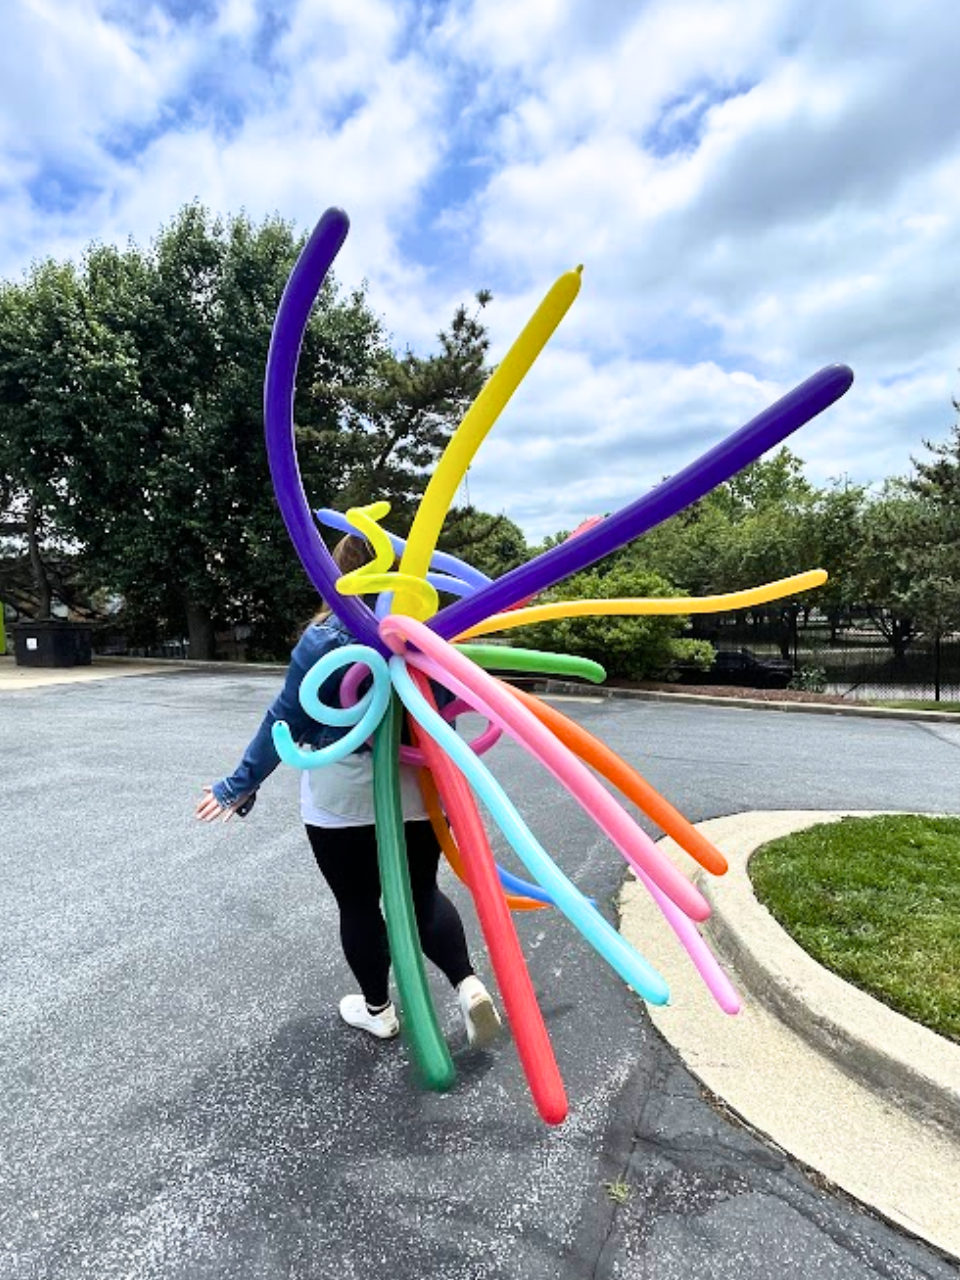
(501, 657)
(420, 1023)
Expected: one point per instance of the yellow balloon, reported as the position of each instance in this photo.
(472, 431)
(378, 575)
(662, 605)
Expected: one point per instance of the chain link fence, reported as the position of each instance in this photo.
(852, 659)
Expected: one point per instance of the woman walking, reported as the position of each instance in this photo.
(336, 804)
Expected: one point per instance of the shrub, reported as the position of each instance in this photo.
(635, 648)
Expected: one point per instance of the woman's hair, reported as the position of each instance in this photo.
(351, 552)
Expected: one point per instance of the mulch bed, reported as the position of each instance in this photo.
(730, 691)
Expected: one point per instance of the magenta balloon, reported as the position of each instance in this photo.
(278, 392)
(672, 495)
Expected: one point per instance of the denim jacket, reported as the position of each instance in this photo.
(260, 758)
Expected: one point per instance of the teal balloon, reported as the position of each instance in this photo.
(365, 715)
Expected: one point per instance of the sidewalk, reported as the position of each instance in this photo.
(861, 1095)
(13, 677)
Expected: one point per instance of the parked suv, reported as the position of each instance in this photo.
(743, 667)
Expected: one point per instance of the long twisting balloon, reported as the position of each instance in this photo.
(429, 1047)
(289, 327)
(648, 606)
(672, 495)
(618, 953)
(459, 674)
(481, 416)
(526, 1020)
(419, 652)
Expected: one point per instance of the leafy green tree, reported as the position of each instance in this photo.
(491, 543)
(744, 532)
(131, 422)
(171, 494)
(755, 528)
(832, 523)
(884, 563)
(934, 555)
(906, 566)
(47, 348)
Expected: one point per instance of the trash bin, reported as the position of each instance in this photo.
(52, 643)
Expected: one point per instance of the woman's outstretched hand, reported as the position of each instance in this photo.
(209, 807)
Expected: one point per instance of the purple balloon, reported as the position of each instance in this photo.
(278, 392)
(670, 496)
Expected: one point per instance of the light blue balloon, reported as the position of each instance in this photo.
(618, 953)
(364, 715)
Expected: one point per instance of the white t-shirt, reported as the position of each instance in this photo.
(341, 794)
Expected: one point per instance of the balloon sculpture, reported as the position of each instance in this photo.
(409, 641)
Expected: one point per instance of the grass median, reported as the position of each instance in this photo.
(877, 901)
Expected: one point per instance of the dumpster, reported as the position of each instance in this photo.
(52, 643)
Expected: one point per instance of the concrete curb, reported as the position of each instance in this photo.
(856, 1094)
(914, 1066)
(565, 688)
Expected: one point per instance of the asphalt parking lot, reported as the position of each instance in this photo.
(179, 1099)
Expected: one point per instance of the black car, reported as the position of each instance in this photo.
(743, 667)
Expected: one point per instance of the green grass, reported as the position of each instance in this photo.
(877, 900)
(619, 1192)
(921, 705)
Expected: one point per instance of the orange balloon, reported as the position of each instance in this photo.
(441, 829)
(626, 779)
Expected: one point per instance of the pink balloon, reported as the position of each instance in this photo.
(467, 680)
(350, 695)
(716, 981)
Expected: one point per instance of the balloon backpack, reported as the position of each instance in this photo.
(409, 642)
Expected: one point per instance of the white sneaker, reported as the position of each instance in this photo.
(479, 1012)
(384, 1025)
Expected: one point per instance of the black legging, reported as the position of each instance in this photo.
(347, 857)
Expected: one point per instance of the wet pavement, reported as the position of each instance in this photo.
(178, 1098)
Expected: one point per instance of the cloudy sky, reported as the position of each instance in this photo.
(756, 188)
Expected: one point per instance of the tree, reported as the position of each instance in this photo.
(131, 421)
(396, 420)
(59, 369)
(171, 494)
(884, 567)
(832, 531)
(753, 529)
(934, 557)
(907, 560)
(491, 543)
